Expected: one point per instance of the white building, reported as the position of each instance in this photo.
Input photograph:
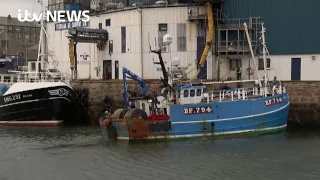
(293, 56)
(280, 66)
(131, 32)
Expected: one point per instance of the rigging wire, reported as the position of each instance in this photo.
(271, 61)
(34, 3)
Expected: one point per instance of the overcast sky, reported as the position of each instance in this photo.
(11, 6)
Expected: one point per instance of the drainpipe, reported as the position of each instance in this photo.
(90, 61)
(141, 40)
(98, 56)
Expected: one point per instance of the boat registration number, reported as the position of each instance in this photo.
(273, 101)
(198, 110)
(11, 98)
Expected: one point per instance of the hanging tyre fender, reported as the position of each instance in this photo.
(85, 92)
(84, 101)
(77, 92)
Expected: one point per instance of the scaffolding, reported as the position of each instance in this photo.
(231, 39)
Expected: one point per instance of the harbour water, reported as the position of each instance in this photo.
(81, 153)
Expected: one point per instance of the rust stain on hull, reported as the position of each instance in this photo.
(138, 129)
(135, 124)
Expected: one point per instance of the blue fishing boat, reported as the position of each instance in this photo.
(190, 110)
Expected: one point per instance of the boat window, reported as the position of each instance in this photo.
(186, 93)
(198, 92)
(178, 95)
(192, 93)
(137, 105)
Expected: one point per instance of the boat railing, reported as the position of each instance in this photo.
(41, 77)
(242, 93)
(8, 79)
(233, 94)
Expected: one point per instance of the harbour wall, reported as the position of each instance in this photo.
(304, 96)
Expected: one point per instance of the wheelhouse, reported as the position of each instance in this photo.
(190, 94)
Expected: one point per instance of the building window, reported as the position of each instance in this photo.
(108, 22)
(10, 28)
(123, 39)
(10, 34)
(234, 63)
(163, 30)
(3, 43)
(26, 29)
(110, 46)
(2, 54)
(163, 27)
(27, 36)
(33, 66)
(18, 35)
(181, 35)
(1, 27)
(17, 28)
(261, 64)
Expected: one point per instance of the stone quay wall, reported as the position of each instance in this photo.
(304, 96)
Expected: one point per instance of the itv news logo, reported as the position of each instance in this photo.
(55, 16)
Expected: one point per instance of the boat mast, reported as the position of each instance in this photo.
(251, 52)
(41, 40)
(264, 56)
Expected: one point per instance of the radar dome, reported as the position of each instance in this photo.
(167, 39)
(175, 62)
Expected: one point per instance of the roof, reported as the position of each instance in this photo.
(15, 22)
(190, 86)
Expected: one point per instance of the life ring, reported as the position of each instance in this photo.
(250, 71)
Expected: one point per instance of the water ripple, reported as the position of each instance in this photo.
(80, 153)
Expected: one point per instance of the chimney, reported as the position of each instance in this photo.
(9, 17)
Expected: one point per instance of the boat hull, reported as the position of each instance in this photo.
(225, 118)
(44, 107)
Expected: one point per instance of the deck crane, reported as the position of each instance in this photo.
(143, 91)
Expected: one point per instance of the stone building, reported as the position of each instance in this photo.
(16, 37)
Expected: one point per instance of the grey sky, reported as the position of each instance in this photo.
(11, 6)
